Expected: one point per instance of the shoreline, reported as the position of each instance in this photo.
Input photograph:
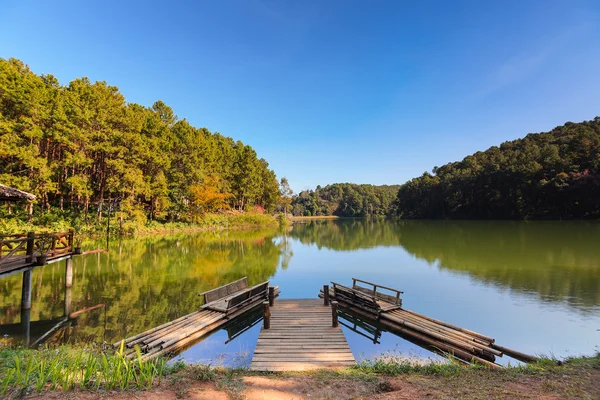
(324, 217)
(81, 373)
(211, 222)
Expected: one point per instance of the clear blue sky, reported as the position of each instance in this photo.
(331, 91)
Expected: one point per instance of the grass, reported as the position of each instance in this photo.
(65, 368)
(211, 222)
(391, 365)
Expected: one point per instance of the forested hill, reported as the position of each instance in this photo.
(346, 200)
(554, 175)
(78, 145)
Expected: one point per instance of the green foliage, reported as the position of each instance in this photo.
(248, 220)
(387, 365)
(283, 220)
(78, 146)
(346, 200)
(554, 174)
(66, 368)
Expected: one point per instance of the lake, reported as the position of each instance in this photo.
(534, 286)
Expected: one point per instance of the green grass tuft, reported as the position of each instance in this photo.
(66, 368)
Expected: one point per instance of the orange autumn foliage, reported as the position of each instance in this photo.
(208, 197)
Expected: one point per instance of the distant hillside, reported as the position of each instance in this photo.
(346, 200)
(550, 175)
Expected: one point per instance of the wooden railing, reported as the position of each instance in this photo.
(26, 248)
(372, 290)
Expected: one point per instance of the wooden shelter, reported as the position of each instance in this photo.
(8, 193)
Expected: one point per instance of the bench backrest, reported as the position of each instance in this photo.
(225, 290)
(354, 294)
(373, 289)
(255, 291)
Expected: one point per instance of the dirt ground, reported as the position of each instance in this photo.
(584, 384)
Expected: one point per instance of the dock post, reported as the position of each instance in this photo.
(70, 239)
(68, 290)
(26, 325)
(334, 314)
(30, 249)
(326, 295)
(271, 296)
(69, 272)
(266, 315)
(26, 291)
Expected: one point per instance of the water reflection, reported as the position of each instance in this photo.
(147, 281)
(144, 282)
(560, 261)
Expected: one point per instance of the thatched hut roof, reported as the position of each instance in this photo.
(12, 194)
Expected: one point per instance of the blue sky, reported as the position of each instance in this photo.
(331, 91)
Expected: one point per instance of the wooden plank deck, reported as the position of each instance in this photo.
(301, 338)
(22, 265)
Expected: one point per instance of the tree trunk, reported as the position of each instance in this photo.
(87, 204)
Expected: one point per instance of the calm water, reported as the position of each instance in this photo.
(534, 286)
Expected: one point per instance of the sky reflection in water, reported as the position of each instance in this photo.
(534, 286)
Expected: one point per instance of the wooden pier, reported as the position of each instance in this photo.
(22, 253)
(221, 305)
(304, 334)
(301, 337)
(441, 337)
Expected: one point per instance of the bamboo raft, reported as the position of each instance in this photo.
(221, 305)
(462, 344)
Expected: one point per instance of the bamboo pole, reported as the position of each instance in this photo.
(132, 338)
(516, 354)
(460, 344)
(440, 328)
(444, 346)
(159, 337)
(432, 342)
(474, 339)
(190, 339)
(446, 331)
(201, 315)
(158, 352)
(174, 335)
(191, 330)
(458, 328)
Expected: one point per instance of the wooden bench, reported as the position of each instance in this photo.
(230, 297)
(362, 299)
